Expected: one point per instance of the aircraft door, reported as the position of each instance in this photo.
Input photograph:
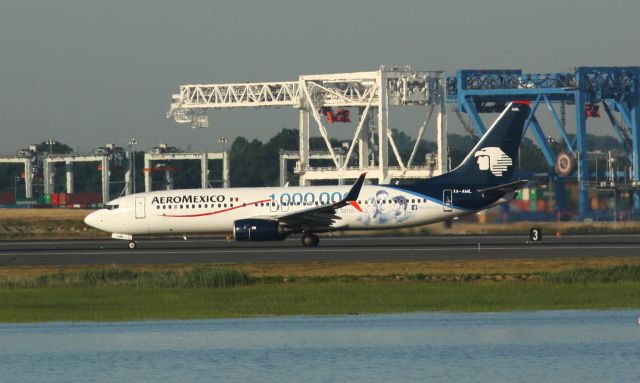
(447, 200)
(273, 205)
(140, 208)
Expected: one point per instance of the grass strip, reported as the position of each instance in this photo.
(329, 298)
(196, 277)
(120, 294)
(216, 276)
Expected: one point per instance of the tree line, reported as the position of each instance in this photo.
(255, 163)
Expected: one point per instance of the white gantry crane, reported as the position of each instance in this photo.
(372, 94)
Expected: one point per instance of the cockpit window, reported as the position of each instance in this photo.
(111, 207)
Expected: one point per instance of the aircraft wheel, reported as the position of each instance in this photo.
(133, 245)
(310, 240)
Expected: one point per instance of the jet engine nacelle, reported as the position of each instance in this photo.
(257, 230)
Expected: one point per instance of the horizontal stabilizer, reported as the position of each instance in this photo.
(505, 188)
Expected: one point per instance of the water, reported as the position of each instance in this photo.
(553, 346)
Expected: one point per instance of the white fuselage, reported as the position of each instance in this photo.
(215, 210)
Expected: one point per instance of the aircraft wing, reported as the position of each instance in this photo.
(505, 188)
(322, 216)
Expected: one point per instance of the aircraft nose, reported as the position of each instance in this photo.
(93, 219)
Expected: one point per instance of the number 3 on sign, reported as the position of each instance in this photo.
(535, 234)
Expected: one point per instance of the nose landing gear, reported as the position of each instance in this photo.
(310, 240)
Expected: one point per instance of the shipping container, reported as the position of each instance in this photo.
(62, 199)
(602, 204)
(523, 205)
(54, 200)
(28, 202)
(46, 199)
(7, 198)
(85, 198)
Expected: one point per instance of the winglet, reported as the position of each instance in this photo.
(355, 189)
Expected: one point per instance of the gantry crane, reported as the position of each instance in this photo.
(370, 93)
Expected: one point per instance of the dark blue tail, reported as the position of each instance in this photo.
(492, 160)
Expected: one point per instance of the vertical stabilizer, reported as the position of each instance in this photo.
(492, 160)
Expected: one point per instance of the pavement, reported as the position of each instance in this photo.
(331, 249)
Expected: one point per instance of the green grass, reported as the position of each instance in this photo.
(614, 274)
(119, 294)
(197, 277)
(328, 298)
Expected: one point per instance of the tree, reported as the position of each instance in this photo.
(245, 163)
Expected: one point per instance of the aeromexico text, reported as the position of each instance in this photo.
(189, 199)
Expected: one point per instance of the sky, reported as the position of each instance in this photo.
(90, 72)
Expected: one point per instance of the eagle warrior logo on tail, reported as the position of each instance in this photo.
(494, 160)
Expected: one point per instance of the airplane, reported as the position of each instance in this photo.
(481, 181)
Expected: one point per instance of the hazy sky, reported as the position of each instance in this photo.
(90, 72)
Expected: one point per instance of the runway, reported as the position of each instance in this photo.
(331, 249)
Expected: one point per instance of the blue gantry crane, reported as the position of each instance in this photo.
(617, 89)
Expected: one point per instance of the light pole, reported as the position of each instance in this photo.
(51, 141)
(551, 141)
(223, 141)
(597, 186)
(15, 187)
(132, 164)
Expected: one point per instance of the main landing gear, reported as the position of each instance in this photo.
(310, 240)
